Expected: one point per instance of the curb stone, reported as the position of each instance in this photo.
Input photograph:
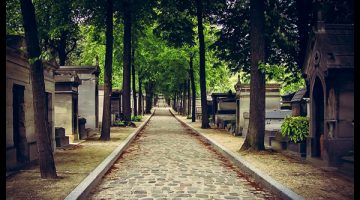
(84, 188)
(262, 178)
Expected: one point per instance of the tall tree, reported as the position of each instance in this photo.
(106, 121)
(133, 78)
(140, 98)
(46, 159)
(255, 136)
(126, 60)
(199, 16)
(193, 89)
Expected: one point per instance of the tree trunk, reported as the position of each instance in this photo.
(204, 118)
(133, 79)
(193, 90)
(184, 106)
(42, 130)
(140, 111)
(106, 120)
(127, 61)
(188, 98)
(62, 48)
(174, 103)
(303, 8)
(148, 90)
(256, 132)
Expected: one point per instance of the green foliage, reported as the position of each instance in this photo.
(119, 123)
(295, 128)
(290, 82)
(136, 118)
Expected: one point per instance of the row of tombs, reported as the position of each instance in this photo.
(74, 103)
(72, 91)
(328, 101)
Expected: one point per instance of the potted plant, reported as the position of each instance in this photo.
(296, 129)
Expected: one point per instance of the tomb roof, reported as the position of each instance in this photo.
(331, 46)
(95, 69)
(299, 95)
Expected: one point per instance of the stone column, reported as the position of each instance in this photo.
(237, 89)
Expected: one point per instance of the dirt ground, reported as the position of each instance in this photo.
(73, 164)
(296, 174)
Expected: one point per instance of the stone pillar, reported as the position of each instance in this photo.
(214, 109)
(237, 89)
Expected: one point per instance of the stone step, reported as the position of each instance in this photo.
(59, 132)
(62, 141)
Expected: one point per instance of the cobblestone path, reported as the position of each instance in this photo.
(168, 162)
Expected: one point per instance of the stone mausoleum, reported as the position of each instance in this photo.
(329, 70)
(272, 102)
(66, 103)
(20, 125)
(88, 92)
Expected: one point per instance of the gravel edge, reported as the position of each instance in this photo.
(83, 189)
(262, 178)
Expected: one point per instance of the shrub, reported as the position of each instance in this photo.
(295, 128)
(136, 118)
(119, 123)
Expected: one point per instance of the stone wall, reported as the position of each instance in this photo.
(63, 114)
(87, 104)
(272, 102)
(18, 73)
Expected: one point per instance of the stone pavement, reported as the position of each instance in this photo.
(167, 161)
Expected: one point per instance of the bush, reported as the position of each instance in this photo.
(295, 128)
(136, 118)
(119, 123)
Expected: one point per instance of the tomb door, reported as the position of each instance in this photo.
(19, 132)
(48, 109)
(237, 116)
(318, 119)
(75, 113)
(96, 105)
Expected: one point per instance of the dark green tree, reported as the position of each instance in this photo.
(46, 158)
(106, 121)
(255, 136)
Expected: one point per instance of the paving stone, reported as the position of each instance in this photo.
(166, 162)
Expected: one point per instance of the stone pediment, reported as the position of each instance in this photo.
(331, 47)
(82, 69)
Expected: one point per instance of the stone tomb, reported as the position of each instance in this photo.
(20, 126)
(299, 104)
(116, 104)
(223, 108)
(66, 103)
(88, 92)
(272, 102)
(329, 70)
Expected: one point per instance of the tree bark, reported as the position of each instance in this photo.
(106, 121)
(127, 61)
(184, 106)
(188, 97)
(302, 7)
(204, 118)
(256, 132)
(133, 79)
(193, 90)
(148, 90)
(42, 130)
(62, 48)
(140, 111)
